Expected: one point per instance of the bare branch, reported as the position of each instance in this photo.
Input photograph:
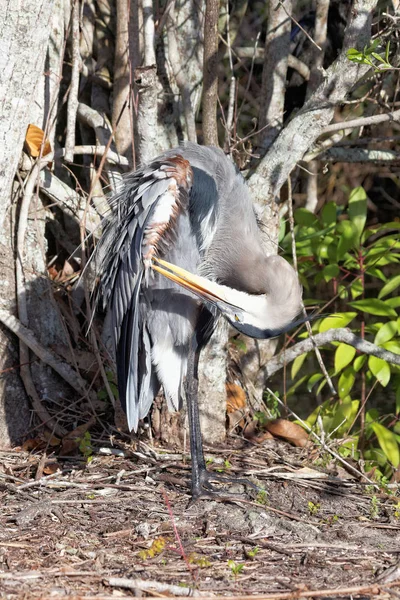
(277, 45)
(145, 585)
(232, 86)
(210, 73)
(145, 79)
(73, 92)
(357, 155)
(308, 124)
(258, 54)
(343, 335)
(112, 157)
(299, 66)
(46, 355)
(362, 122)
(149, 33)
(180, 77)
(92, 118)
(317, 60)
(121, 118)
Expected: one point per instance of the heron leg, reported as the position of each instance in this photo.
(201, 478)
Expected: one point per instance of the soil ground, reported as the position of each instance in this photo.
(315, 532)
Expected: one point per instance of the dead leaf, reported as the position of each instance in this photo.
(52, 468)
(289, 431)
(236, 397)
(35, 142)
(235, 405)
(71, 441)
(262, 437)
(33, 444)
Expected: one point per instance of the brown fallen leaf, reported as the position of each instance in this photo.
(235, 405)
(235, 397)
(52, 468)
(72, 440)
(288, 431)
(35, 142)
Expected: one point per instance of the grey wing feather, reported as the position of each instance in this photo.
(121, 267)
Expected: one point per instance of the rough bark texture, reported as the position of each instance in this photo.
(307, 125)
(274, 72)
(212, 391)
(210, 74)
(121, 114)
(24, 26)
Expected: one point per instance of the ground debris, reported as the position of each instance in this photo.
(308, 533)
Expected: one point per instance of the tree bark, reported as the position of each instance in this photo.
(25, 32)
(210, 74)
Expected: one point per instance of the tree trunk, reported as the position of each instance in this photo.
(29, 98)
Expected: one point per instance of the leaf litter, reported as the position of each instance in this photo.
(121, 524)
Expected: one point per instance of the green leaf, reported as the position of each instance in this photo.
(373, 306)
(346, 382)
(392, 346)
(336, 320)
(386, 333)
(393, 302)
(356, 288)
(348, 238)
(345, 413)
(330, 271)
(328, 213)
(282, 230)
(239, 343)
(359, 362)
(303, 216)
(380, 369)
(376, 273)
(343, 356)
(297, 364)
(313, 380)
(357, 210)
(388, 443)
(392, 284)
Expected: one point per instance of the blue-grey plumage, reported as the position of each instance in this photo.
(191, 208)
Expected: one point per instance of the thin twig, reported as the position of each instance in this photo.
(309, 329)
(362, 122)
(360, 155)
(157, 586)
(46, 355)
(291, 17)
(232, 85)
(322, 339)
(74, 87)
(320, 441)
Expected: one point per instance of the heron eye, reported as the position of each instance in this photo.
(237, 318)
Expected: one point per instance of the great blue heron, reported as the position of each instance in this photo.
(182, 247)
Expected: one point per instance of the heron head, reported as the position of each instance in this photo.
(264, 315)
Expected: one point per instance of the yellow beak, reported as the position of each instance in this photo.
(202, 287)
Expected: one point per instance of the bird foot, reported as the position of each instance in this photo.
(202, 487)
